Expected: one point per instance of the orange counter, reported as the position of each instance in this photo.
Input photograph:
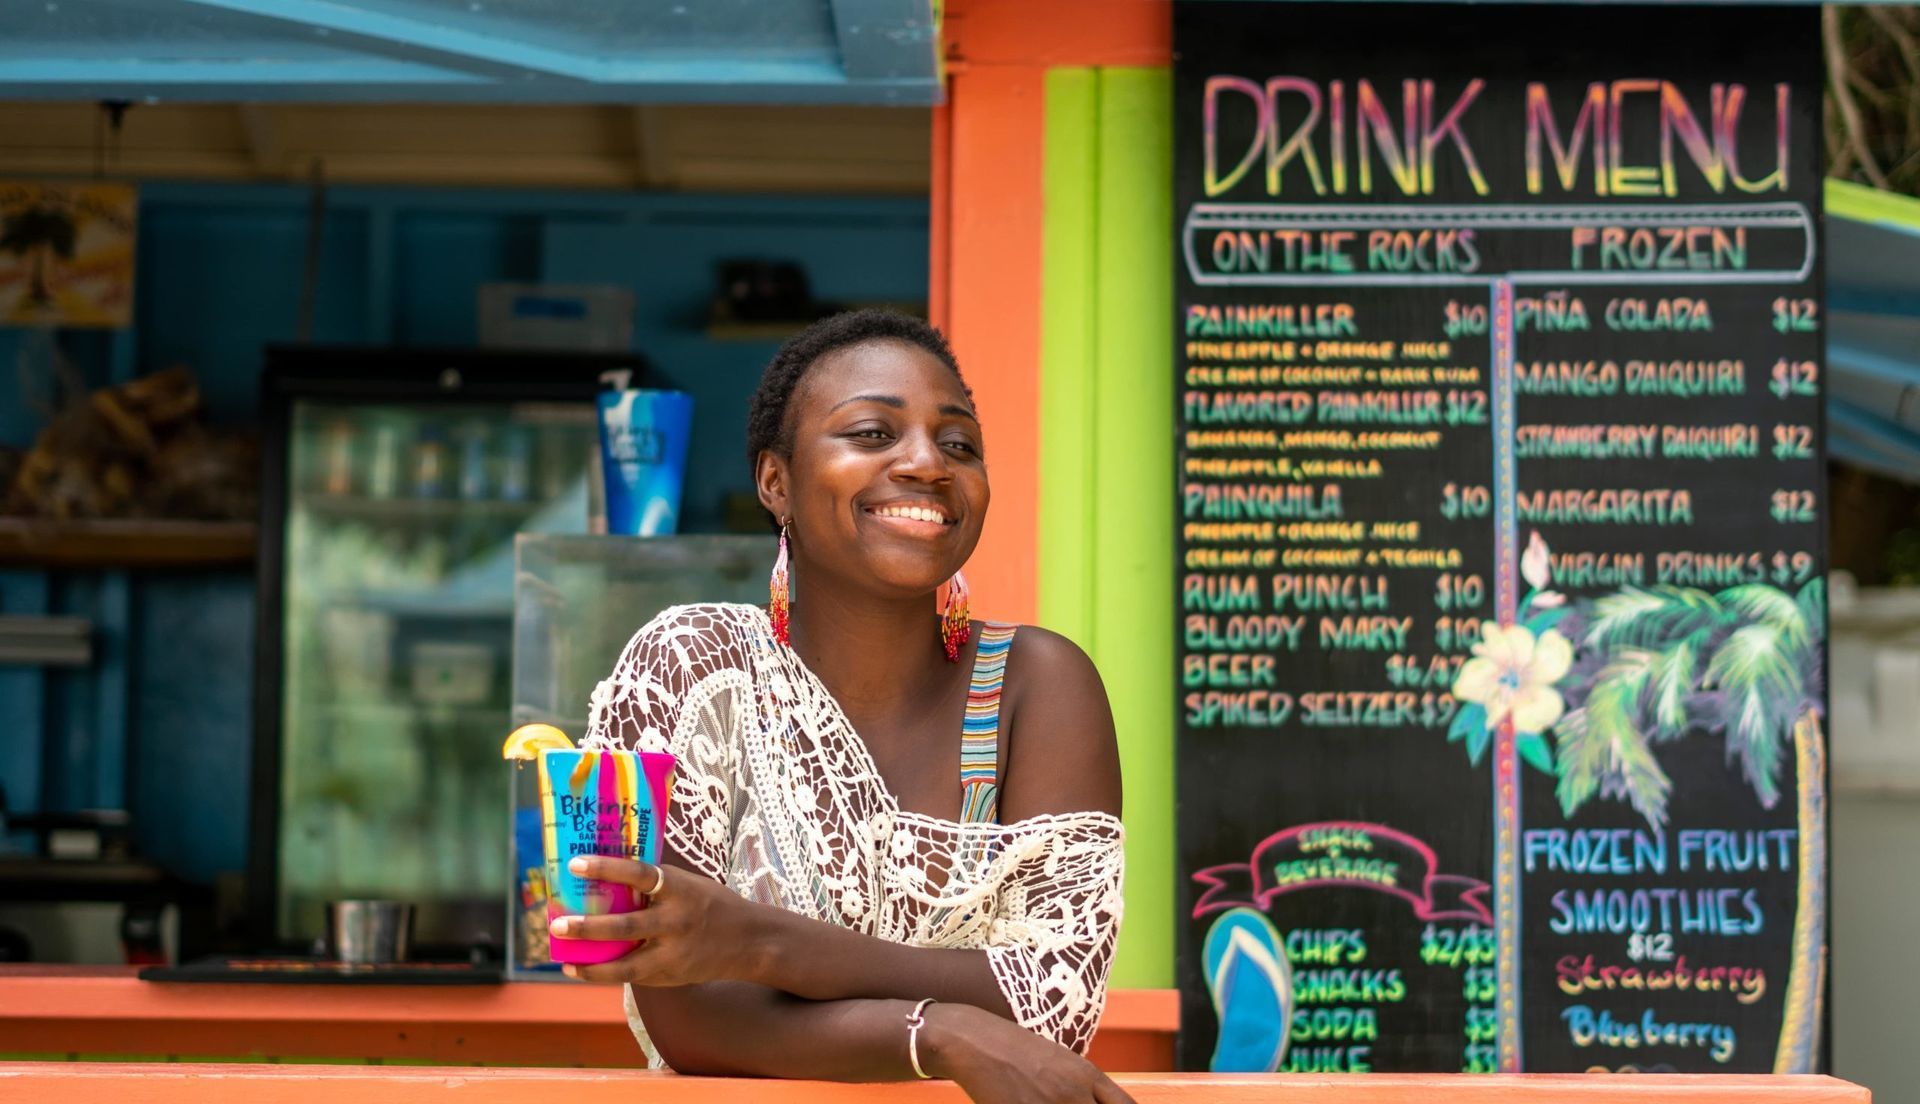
(168, 1084)
(83, 1011)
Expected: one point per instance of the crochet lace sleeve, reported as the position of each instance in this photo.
(1059, 915)
(661, 697)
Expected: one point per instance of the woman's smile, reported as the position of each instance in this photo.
(915, 518)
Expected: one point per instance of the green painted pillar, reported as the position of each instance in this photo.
(1106, 449)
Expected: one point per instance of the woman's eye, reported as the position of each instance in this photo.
(870, 434)
(964, 446)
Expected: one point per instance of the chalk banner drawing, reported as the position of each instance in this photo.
(1497, 365)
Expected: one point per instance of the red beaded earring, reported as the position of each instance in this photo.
(954, 617)
(780, 592)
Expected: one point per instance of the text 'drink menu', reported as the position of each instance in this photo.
(1500, 580)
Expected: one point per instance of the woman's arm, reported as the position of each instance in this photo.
(738, 1029)
(730, 1028)
(696, 930)
(819, 961)
(735, 1029)
(699, 1030)
(1059, 754)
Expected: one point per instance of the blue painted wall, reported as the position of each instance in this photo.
(850, 255)
(163, 723)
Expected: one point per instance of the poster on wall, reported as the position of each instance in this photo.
(1501, 541)
(66, 254)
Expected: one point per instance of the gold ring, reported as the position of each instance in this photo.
(659, 879)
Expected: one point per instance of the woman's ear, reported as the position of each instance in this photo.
(770, 483)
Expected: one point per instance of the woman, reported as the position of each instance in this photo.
(894, 847)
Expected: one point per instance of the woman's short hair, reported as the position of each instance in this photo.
(767, 426)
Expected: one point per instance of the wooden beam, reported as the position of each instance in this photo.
(263, 139)
(652, 162)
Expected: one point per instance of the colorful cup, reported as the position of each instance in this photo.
(609, 803)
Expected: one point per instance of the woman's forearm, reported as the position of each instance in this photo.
(821, 962)
(739, 1029)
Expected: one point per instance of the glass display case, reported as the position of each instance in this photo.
(396, 484)
(577, 601)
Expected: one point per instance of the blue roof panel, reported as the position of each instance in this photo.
(527, 51)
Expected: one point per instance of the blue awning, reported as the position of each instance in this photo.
(1873, 336)
(522, 51)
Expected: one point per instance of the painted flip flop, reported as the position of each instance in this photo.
(1252, 988)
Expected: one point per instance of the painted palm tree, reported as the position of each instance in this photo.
(42, 233)
(1745, 662)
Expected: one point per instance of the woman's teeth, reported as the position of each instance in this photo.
(913, 512)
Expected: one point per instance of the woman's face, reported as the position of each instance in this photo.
(887, 484)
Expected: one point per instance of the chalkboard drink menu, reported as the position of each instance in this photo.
(1501, 542)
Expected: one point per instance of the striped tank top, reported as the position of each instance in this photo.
(980, 732)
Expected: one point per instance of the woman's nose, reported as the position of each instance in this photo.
(919, 458)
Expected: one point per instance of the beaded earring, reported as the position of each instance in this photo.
(954, 617)
(780, 592)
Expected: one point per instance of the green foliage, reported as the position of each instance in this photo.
(1756, 671)
(1470, 725)
(1766, 606)
(1672, 675)
(1602, 749)
(1538, 621)
(1752, 648)
(1650, 617)
(1533, 747)
(1812, 601)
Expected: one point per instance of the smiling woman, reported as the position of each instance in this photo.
(894, 848)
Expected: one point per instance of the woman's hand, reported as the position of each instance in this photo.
(693, 929)
(999, 1062)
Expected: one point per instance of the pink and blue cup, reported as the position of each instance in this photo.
(609, 803)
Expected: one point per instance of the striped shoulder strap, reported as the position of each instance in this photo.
(980, 732)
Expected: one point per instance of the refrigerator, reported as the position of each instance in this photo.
(394, 484)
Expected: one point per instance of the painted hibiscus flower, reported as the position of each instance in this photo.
(1512, 674)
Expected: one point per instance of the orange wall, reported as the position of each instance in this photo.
(102, 1011)
(985, 284)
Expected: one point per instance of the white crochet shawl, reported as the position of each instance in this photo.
(777, 798)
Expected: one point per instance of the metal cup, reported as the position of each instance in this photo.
(369, 932)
